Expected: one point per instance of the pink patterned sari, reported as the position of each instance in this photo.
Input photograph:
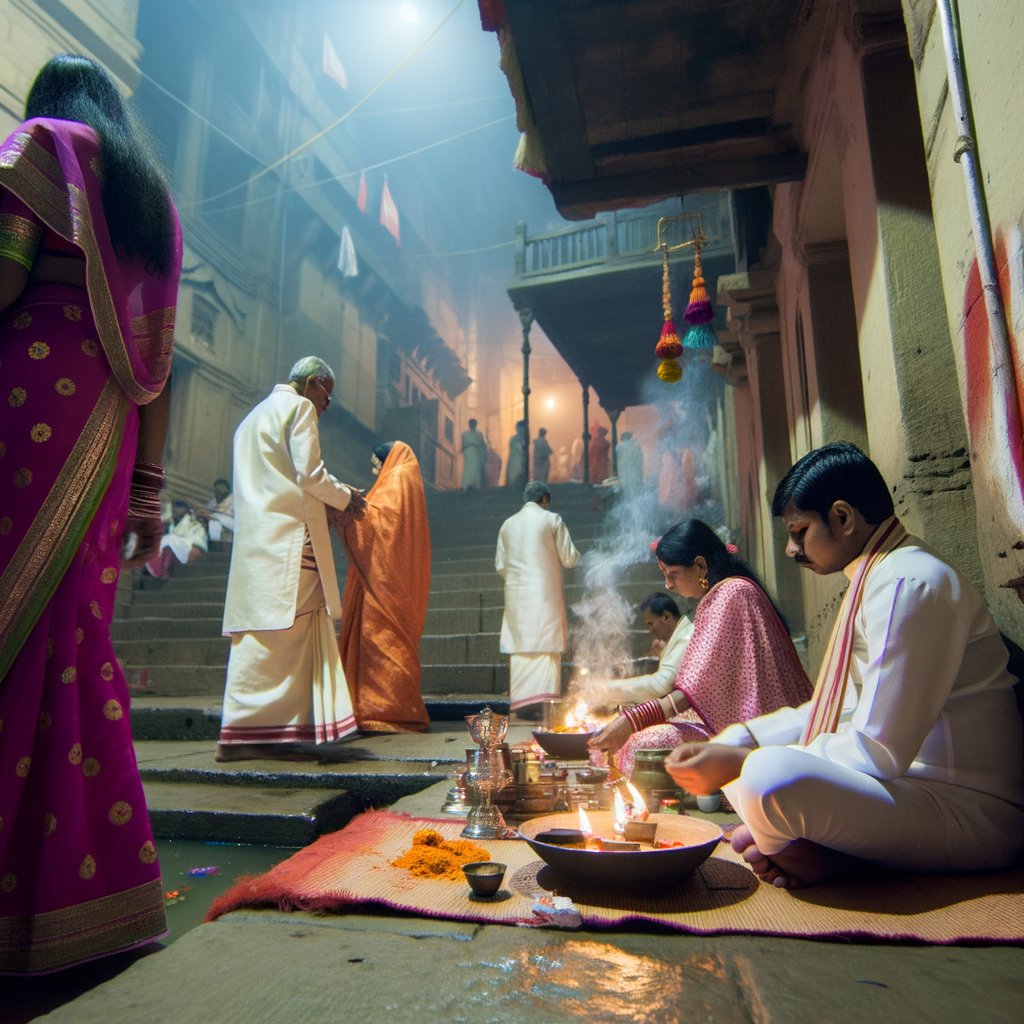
(78, 871)
(740, 663)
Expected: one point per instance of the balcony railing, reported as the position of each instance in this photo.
(627, 236)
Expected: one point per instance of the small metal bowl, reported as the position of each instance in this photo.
(567, 746)
(484, 876)
(592, 776)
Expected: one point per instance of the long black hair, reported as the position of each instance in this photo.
(383, 450)
(135, 198)
(685, 541)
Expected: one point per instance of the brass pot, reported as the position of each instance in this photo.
(650, 777)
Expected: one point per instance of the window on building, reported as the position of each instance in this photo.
(204, 319)
(449, 430)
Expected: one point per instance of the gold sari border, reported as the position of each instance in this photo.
(19, 239)
(46, 551)
(45, 942)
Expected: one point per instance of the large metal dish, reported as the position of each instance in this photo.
(627, 869)
(566, 746)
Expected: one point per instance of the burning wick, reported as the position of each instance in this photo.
(619, 806)
(590, 841)
(585, 822)
(638, 809)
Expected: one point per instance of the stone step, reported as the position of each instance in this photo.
(166, 628)
(274, 816)
(154, 651)
(450, 621)
(171, 609)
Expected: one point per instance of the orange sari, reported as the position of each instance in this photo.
(385, 602)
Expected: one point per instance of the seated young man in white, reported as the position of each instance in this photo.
(910, 753)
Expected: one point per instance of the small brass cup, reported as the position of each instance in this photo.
(484, 876)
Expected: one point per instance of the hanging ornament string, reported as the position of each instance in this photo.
(669, 348)
(699, 313)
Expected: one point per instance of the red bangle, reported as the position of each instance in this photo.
(643, 716)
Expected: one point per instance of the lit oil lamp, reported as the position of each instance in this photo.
(590, 841)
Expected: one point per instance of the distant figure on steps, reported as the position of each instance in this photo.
(533, 547)
(474, 457)
(386, 595)
(219, 514)
(600, 452)
(184, 540)
(542, 452)
(630, 458)
(516, 472)
(285, 687)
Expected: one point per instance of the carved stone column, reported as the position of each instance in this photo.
(526, 319)
(586, 433)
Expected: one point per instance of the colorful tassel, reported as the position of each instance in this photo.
(701, 336)
(700, 310)
(670, 371)
(669, 347)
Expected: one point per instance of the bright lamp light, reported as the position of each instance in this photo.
(407, 12)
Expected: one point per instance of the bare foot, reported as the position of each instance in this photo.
(796, 865)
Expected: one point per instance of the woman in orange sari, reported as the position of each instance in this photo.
(386, 594)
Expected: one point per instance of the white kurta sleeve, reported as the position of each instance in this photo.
(310, 473)
(567, 553)
(499, 556)
(656, 684)
(916, 642)
(780, 728)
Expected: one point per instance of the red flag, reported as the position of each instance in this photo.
(332, 66)
(389, 213)
(361, 194)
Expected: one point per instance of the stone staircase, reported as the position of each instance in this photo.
(167, 635)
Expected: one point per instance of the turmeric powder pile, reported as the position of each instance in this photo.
(433, 856)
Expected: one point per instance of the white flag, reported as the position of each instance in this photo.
(347, 256)
(333, 67)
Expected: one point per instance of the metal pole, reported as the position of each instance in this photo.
(526, 319)
(967, 157)
(586, 433)
(613, 415)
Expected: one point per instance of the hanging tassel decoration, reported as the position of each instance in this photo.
(700, 310)
(669, 347)
(701, 336)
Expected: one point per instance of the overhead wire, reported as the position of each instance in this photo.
(362, 170)
(344, 117)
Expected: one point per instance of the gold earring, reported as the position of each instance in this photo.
(704, 580)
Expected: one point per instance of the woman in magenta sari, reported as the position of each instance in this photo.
(90, 252)
(739, 664)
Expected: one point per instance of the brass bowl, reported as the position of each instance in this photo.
(625, 869)
(484, 876)
(567, 746)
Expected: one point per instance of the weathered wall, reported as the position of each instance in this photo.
(993, 46)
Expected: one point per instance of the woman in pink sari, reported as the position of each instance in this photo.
(739, 664)
(90, 252)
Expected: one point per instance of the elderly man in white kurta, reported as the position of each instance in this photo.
(285, 685)
(533, 547)
(909, 755)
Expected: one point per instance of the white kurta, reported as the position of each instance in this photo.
(655, 684)
(925, 770)
(183, 536)
(533, 546)
(474, 459)
(223, 516)
(629, 461)
(285, 679)
(281, 489)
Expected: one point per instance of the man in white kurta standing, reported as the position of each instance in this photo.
(286, 690)
(474, 458)
(533, 547)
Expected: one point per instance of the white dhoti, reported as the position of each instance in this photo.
(910, 824)
(180, 547)
(534, 679)
(288, 685)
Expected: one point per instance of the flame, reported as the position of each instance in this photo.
(619, 806)
(639, 809)
(585, 822)
(579, 719)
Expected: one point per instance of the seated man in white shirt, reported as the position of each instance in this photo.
(219, 514)
(909, 754)
(185, 540)
(671, 633)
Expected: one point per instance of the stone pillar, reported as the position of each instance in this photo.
(526, 319)
(613, 415)
(913, 408)
(753, 320)
(586, 433)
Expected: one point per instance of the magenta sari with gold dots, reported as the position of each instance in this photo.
(78, 870)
